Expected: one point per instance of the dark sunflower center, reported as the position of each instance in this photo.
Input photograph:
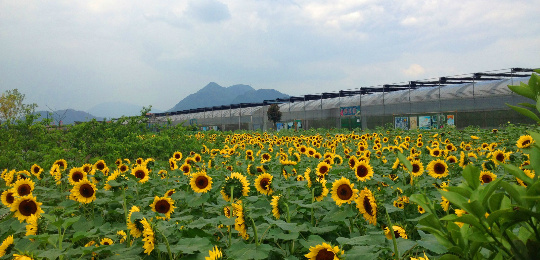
(323, 169)
(525, 143)
(201, 182)
(28, 207)
(415, 168)
(302, 150)
(22, 177)
(344, 192)
(86, 169)
(139, 225)
(439, 168)
(36, 170)
(123, 168)
(499, 157)
(185, 169)
(139, 161)
(325, 255)
(100, 166)
(265, 182)
(197, 159)
(24, 189)
(177, 156)
(163, 206)
(486, 178)
(106, 243)
(367, 206)
(266, 157)
(436, 153)
(9, 198)
(170, 193)
(140, 174)
(86, 190)
(448, 147)
(396, 234)
(77, 176)
(60, 164)
(452, 160)
(361, 171)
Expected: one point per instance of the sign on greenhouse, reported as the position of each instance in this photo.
(413, 122)
(424, 122)
(401, 122)
(349, 111)
(450, 119)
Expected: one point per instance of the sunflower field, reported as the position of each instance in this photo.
(96, 192)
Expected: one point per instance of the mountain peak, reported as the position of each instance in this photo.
(215, 95)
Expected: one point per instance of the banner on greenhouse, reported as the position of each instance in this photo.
(349, 111)
(401, 123)
(413, 122)
(424, 122)
(450, 119)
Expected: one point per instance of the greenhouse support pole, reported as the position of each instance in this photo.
(239, 117)
(410, 105)
(440, 96)
(339, 110)
(321, 107)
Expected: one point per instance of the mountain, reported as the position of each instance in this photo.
(67, 116)
(259, 95)
(118, 109)
(216, 95)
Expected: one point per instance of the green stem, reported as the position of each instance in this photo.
(255, 232)
(232, 215)
(167, 244)
(396, 252)
(312, 208)
(128, 236)
(289, 221)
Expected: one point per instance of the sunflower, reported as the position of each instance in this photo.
(238, 182)
(437, 169)
(527, 172)
(8, 197)
(445, 204)
(265, 157)
(177, 156)
(139, 161)
(399, 204)
(76, 174)
(186, 168)
(239, 222)
(524, 141)
(343, 191)
(323, 251)
(451, 159)
(214, 254)
(263, 184)
(134, 225)
(420, 258)
(363, 170)
(365, 202)
(141, 173)
(277, 206)
(32, 225)
(200, 182)
(21, 257)
(62, 164)
(251, 169)
(163, 205)
(300, 178)
(499, 157)
(148, 236)
(36, 171)
(23, 187)
(6, 244)
(421, 210)
(88, 168)
(398, 232)
(172, 164)
(25, 207)
(320, 189)
(100, 165)
(84, 191)
(487, 177)
(323, 168)
(308, 177)
(106, 241)
(417, 168)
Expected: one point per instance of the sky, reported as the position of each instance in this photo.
(79, 54)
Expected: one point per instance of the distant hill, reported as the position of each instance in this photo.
(216, 95)
(117, 109)
(67, 116)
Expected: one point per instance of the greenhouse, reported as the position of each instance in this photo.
(477, 99)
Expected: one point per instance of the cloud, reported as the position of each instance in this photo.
(209, 11)
(414, 70)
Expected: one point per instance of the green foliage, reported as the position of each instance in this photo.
(531, 91)
(12, 106)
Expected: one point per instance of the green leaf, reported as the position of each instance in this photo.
(518, 173)
(523, 90)
(405, 162)
(488, 190)
(529, 105)
(248, 251)
(362, 252)
(70, 221)
(514, 191)
(423, 201)
(525, 112)
(471, 220)
(454, 198)
(472, 176)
